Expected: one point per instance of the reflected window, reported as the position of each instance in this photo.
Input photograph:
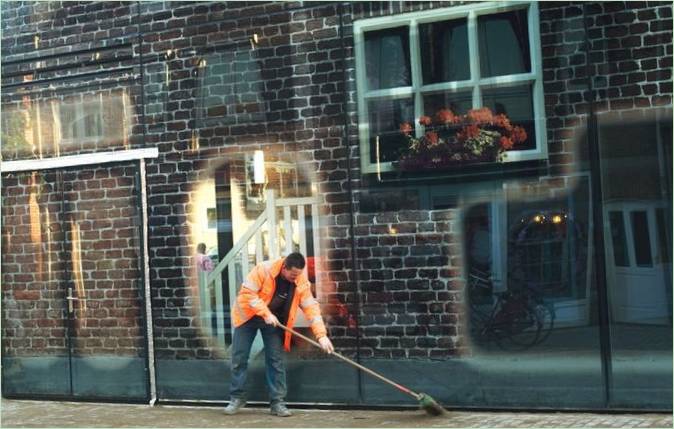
(642, 242)
(618, 239)
(56, 123)
(427, 60)
(81, 120)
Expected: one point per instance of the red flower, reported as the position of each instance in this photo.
(425, 120)
(432, 138)
(445, 116)
(502, 121)
(518, 134)
(505, 143)
(406, 128)
(468, 132)
(482, 115)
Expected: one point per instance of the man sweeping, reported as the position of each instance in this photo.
(269, 296)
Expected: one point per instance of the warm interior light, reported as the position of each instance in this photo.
(258, 167)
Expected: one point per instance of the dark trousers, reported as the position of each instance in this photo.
(275, 371)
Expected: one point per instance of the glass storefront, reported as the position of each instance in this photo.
(482, 192)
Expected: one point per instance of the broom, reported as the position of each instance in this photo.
(426, 403)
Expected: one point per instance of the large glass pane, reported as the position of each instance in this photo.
(444, 51)
(105, 288)
(35, 349)
(516, 103)
(74, 322)
(387, 54)
(636, 182)
(504, 43)
(52, 112)
(263, 175)
(476, 284)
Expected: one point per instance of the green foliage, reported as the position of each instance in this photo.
(13, 137)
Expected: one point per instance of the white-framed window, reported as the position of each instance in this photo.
(464, 57)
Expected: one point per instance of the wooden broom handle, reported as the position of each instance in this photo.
(356, 364)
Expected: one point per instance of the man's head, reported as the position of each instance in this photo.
(293, 266)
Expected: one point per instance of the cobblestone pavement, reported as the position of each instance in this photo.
(17, 413)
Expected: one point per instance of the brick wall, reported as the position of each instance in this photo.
(89, 242)
(288, 95)
(630, 64)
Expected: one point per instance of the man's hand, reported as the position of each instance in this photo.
(326, 344)
(271, 320)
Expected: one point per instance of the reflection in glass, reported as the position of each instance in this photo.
(516, 102)
(636, 185)
(458, 102)
(500, 33)
(642, 243)
(387, 54)
(34, 331)
(385, 117)
(56, 124)
(618, 239)
(444, 51)
(230, 88)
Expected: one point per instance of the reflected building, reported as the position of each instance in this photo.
(482, 191)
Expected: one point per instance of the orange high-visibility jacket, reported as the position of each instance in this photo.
(257, 291)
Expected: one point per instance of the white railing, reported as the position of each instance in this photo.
(269, 237)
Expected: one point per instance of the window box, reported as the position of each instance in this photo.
(462, 58)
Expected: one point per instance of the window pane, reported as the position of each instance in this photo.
(458, 102)
(504, 43)
(387, 56)
(662, 236)
(516, 103)
(444, 51)
(642, 242)
(618, 238)
(385, 119)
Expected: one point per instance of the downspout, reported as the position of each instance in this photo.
(354, 260)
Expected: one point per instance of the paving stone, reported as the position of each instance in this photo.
(42, 414)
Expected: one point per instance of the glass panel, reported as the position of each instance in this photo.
(385, 118)
(618, 239)
(444, 51)
(504, 43)
(221, 205)
(642, 242)
(35, 352)
(636, 179)
(230, 85)
(517, 104)
(387, 57)
(102, 246)
(662, 236)
(55, 112)
(459, 283)
(459, 102)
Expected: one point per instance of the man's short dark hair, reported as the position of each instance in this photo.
(295, 260)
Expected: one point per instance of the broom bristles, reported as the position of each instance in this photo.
(429, 405)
